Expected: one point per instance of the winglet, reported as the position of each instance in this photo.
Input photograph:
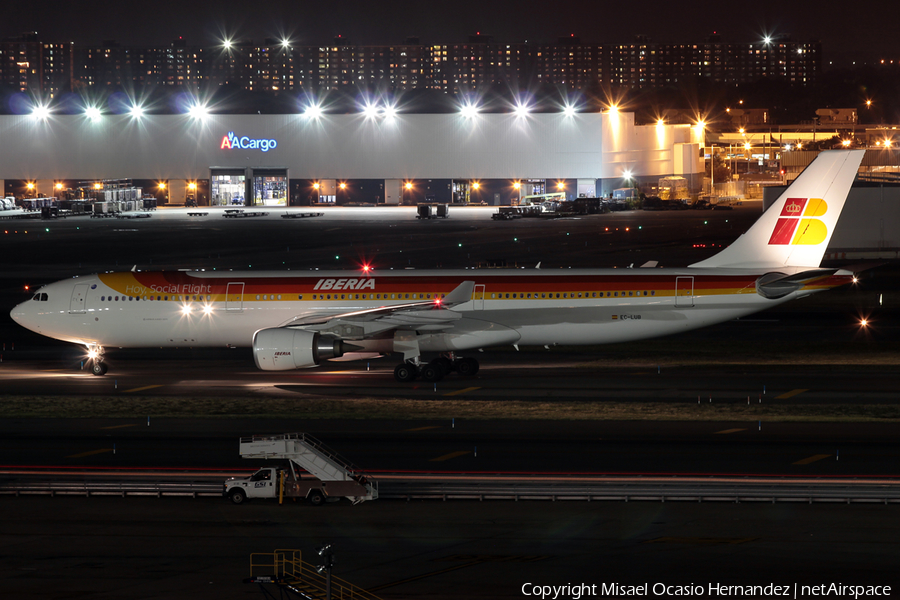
(461, 293)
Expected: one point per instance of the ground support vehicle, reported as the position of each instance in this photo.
(331, 476)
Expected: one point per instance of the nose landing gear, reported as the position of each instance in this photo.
(98, 367)
(95, 354)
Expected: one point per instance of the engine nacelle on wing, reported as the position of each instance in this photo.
(280, 349)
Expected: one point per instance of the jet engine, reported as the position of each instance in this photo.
(282, 349)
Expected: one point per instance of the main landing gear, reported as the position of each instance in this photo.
(95, 355)
(436, 369)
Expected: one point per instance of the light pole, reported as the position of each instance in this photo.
(327, 555)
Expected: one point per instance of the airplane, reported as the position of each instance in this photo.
(297, 320)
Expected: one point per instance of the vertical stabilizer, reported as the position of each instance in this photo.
(796, 229)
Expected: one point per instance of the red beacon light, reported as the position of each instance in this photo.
(366, 269)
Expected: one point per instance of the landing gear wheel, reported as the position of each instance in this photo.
(237, 496)
(405, 372)
(316, 498)
(432, 372)
(445, 363)
(98, 367)
(467, 366)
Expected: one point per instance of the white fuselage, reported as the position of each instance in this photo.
(202, 309)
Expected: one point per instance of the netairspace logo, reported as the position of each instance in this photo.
(233, 142)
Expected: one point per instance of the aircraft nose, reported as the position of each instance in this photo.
(20, 314)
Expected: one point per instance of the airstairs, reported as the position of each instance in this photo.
(312, 456)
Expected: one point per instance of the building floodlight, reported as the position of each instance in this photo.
(313, 111)
(40, 111)
(227, 44)
(389, 111)
(468, 110)
(569, 110)
(198, 111)
(136, 111)
(93, 113)
(370, 110)
(521, 110)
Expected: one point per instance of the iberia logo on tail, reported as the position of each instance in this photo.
(796, 224)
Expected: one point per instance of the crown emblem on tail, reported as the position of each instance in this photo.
(793, 208)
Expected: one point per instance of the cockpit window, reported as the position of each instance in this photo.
(42, 297)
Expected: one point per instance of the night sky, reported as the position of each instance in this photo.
(841, 26)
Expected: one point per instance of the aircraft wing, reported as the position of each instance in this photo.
(428, 315)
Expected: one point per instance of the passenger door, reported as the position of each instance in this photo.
(478, 296)
(684, 292)
(234, 297)
(77, 304)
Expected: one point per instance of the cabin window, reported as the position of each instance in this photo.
(300, 297)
